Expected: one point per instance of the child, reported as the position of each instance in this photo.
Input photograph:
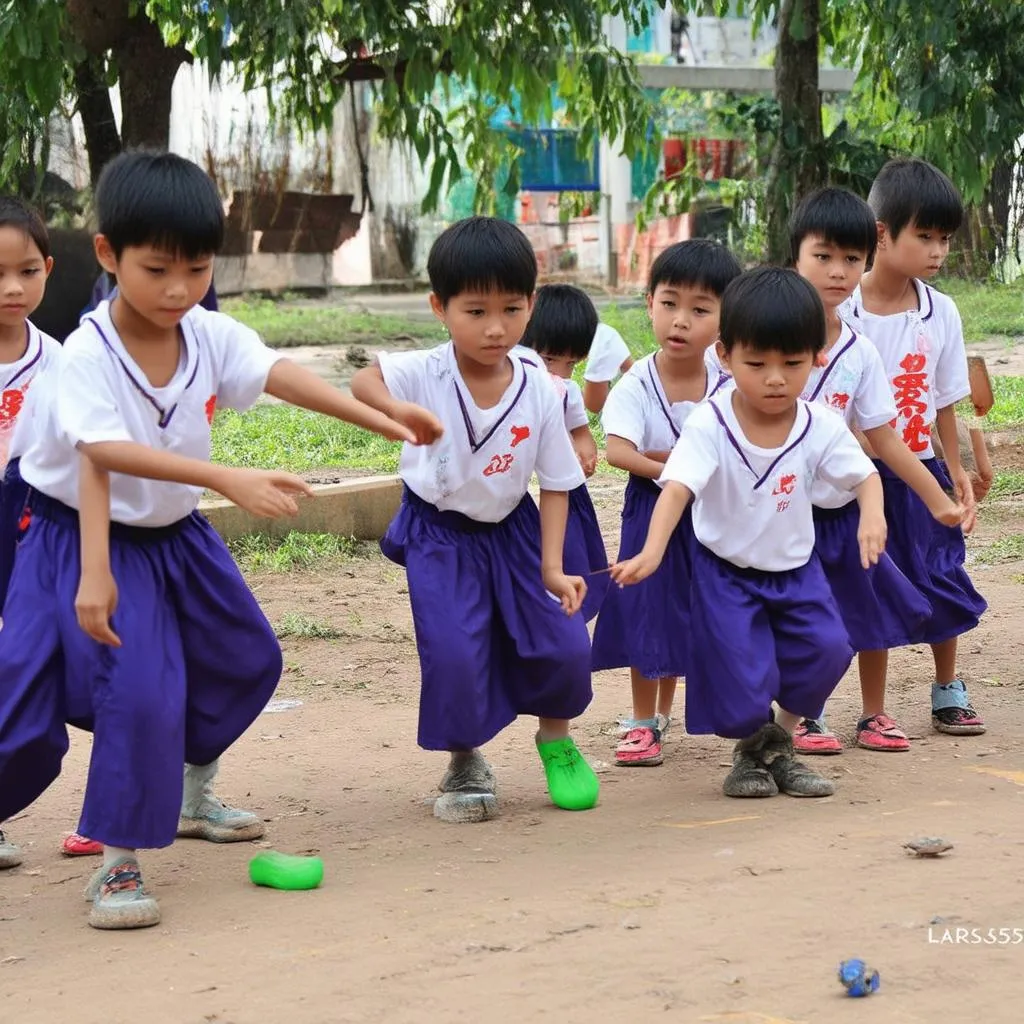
(609, 356)
(193, 660)
(647, 627)
(768, 625)
(918, 334)
(25, 352)
(832, 238)
(493, 609)
(560, 330)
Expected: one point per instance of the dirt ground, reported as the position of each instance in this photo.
(668, 898)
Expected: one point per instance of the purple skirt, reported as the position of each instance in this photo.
(931, 556)
(761, 637)
(198, 663)
(879, 606)
(647, 626)
(13, 493)
(584, 552)
(493, 643)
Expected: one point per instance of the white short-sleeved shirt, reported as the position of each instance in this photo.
(41, 354)
(638, 410)
(481, 466)
(854, 385)
(607, 354)
(924, 357)
(573, 409)
(99, 394)
(752, 505)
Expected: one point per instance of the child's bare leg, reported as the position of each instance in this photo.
(951, 708)
(646, 693)
(667, 686)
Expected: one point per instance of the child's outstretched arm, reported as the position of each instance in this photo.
(368, 386)
(945, 424)
(981, 479)
(554, 513)
(298, 386)
(623, 454)
(96, 599)
(586, 448)
(889, 447)
(668, 510)
(260, 491)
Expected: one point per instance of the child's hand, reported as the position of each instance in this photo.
(95, 603)
(425, 426)
(949, 513)
(586, 452)
(633, 570)
(965, 495)
(871, 534)
(570, 590)
(264, 492)
(821, 359)
(981, 484)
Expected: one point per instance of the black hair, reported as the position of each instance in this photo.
(562, 323)
(912, 191)
(15, 213)
(161, 200)
(772, 309)
(482, 254)
(697, 262)
(837, 216)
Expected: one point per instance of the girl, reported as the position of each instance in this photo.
(832, 239)
(748, 459)
(127, 418)
(25, 352)
(560, 330)
(647, 628)
(494, 612)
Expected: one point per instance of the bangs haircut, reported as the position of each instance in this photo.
(837, 216)
(15, 213)
(481, 254)
(563, 322)
(696, 263)
(159, 200)
(912, 191)
(772, 309)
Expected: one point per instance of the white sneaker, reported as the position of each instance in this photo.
(10, 855)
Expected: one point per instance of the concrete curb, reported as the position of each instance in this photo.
(360, 508)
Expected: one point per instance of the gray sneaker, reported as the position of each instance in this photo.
(467, 790)
(205, 816)
(119, 899)
(10, 855)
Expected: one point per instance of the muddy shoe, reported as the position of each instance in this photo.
(10, 855)
(204, 816)
(749, 777)
(791, 776)
(467, 790)
(119, 899)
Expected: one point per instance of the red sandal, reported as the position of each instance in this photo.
(75, 845)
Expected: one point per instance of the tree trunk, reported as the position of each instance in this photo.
(102, 140)
(997, 209)
(798, 163)
(146, 71)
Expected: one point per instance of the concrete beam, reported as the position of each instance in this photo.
(360, 508)
(735, 79)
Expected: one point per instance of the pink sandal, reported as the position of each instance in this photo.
(75, 845)
(640, 748)
(811, 737)
(880, 732)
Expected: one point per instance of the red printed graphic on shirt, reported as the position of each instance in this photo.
(519, 434)
(499, 464)
(909, 388)
(211, 408)
(10, 405)
(839, 400)
(786, 484)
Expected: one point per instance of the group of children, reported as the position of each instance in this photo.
(783, 511)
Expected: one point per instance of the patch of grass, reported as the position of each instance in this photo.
(289, 322)
(1007, 549)
(1007, 484)
(283, 437)
(256, 552)
(305, 627)
(987, 310)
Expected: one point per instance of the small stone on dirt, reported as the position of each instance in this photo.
(929, 846)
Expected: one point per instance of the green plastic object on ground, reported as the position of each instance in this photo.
(284, 871)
